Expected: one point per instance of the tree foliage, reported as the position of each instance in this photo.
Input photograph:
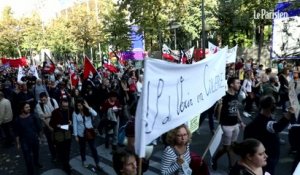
(117, 29)
(11, 34)
(82, 27)
(32, 33)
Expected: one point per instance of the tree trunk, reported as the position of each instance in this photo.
(260, 43)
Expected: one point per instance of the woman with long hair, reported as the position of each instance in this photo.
(75, 94)
(247, 87)
(82, 122)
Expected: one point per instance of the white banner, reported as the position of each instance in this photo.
(175, 93)
(297, 171)
(231, 55)
(294, 98)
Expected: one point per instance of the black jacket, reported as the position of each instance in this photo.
(266, 129)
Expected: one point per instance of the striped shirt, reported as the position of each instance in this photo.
(169, 165)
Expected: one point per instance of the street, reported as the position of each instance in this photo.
(12, 163)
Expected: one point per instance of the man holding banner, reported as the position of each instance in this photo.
(230, 118)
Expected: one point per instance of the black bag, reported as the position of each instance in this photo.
(89, 133)
(61, 136)
(106, 125)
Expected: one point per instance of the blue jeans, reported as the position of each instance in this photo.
(49, 136)
(30, 149)
(82, 144)
(63, 154)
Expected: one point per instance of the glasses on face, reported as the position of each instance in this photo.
(181, 135)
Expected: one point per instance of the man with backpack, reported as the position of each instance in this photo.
(44, 109)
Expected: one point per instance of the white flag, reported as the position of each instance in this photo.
(231, 55)
(213, 48)
(189, 53)
(33, 71)
(167, 52)
(21, 73)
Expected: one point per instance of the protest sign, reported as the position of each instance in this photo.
(215, 142)
(193, 124)
(174, 93)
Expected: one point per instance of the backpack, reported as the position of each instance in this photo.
(42, 105)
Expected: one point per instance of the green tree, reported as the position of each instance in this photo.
(59, 39)
(11, 34)
(153, 17)
(117, 30)
(32, 33)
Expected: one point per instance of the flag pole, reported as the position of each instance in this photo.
(70, 80)
(140, 166)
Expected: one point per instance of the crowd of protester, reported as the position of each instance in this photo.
(59, 111)
(50, 107)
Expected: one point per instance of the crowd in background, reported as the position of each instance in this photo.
(105, 104)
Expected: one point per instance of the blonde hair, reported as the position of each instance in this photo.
(172, 134)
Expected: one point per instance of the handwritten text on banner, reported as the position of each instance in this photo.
(174, 93)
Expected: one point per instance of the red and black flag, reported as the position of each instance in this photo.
(48, 65)
(89, 69)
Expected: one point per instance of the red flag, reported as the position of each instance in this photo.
(111, 68)
(89, 69)
(48, 66)
(15, 62)
(74, 78)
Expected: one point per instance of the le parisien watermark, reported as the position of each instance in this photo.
(264, 14)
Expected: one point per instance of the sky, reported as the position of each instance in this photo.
(46, 8)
